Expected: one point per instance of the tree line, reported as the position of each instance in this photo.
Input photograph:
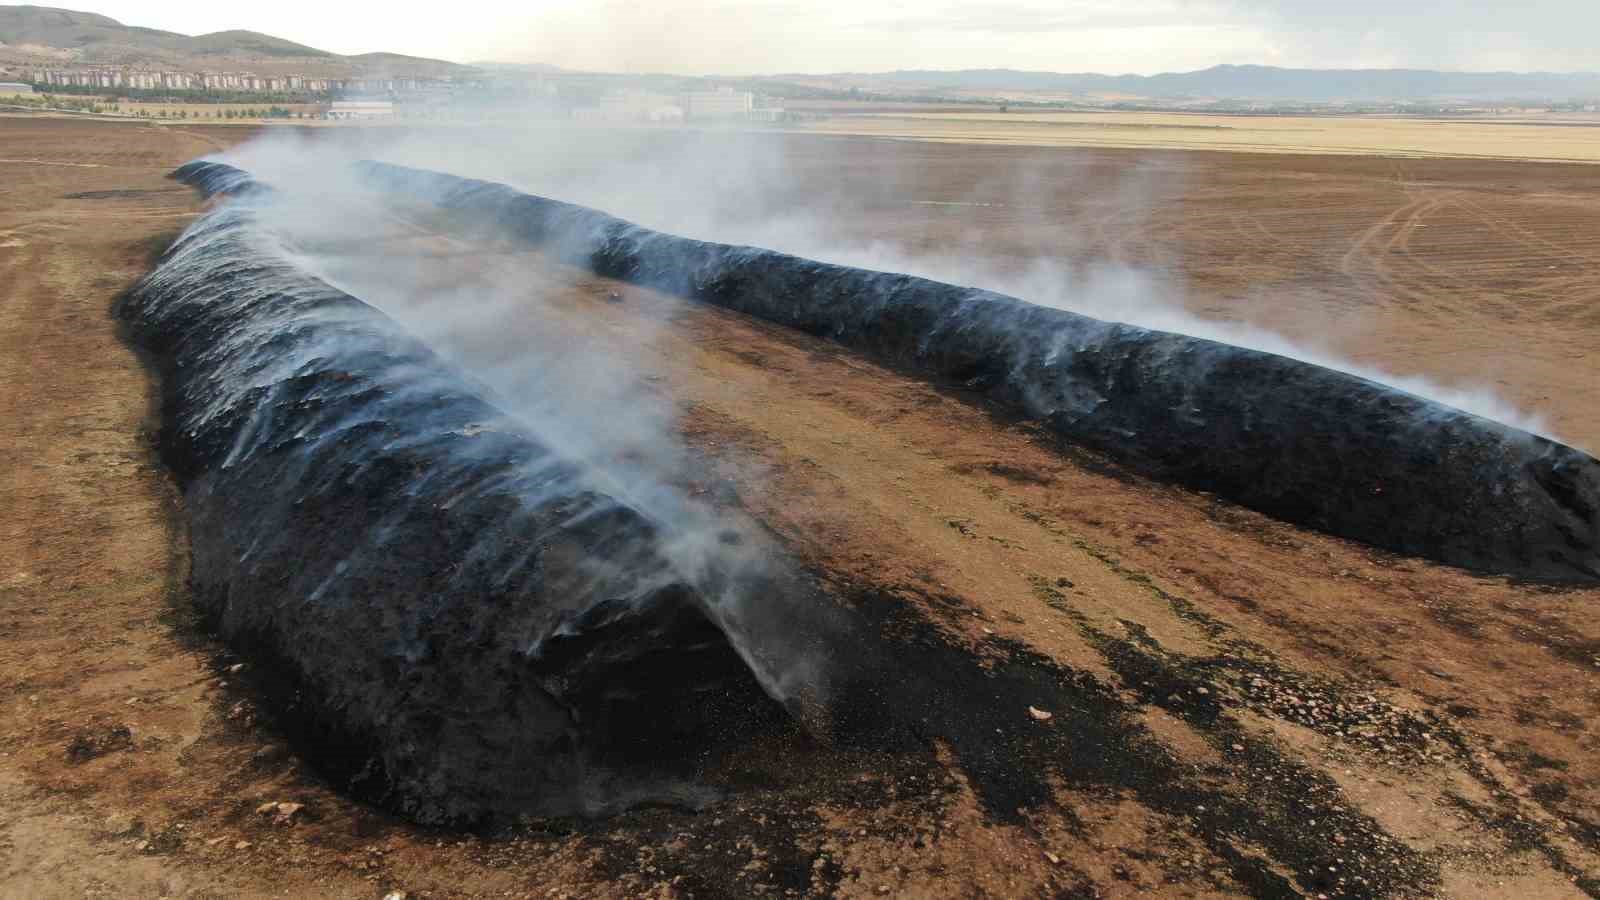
(99, 105)
(185, 95)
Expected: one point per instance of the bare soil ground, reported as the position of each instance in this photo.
(1388, 725)
(1549, 137)
(1468, 272)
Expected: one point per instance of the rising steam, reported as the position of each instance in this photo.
(462, 525)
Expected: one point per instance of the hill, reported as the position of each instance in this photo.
(1236, 83)
(531, 68)
(68, 29)
(64, 35)
(249, 42)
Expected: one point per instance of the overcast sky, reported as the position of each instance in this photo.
(717, 37)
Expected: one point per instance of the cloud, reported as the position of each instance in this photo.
(764, 36)
(1029, 18)
(1535, 35)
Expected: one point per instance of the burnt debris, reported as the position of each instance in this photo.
(462, 625)
(458, 623)
(1306, 444)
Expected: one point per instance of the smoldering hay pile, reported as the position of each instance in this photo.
(467, 624)
(462, 623)
(1300, 442)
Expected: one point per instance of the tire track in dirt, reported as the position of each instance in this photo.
(1524, 236)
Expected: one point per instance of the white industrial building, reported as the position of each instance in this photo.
(360, 109)
(15, 87)
(722, 103)
(630, 106)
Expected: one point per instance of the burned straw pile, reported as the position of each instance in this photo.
(1300, 442)
(465, 624)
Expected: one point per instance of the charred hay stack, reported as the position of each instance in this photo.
(1300, 442)
(458, 622)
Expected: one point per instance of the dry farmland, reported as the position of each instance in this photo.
(1571, 138)
(1287, 712)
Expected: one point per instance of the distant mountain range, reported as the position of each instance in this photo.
(536, 68)
(1267, 83)
(34, 35)
(43, 34)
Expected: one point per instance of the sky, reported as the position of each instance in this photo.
(791, 36)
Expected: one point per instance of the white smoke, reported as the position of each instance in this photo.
(508, 320)
(1002, 229)
(584, 389)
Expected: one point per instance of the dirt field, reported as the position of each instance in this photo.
(1572, 138)
(1469, 272)
(1384, 724)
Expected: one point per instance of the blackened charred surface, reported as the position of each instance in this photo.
(463, 626)
(651, 695)
(916, 689)
(403, 557)
(1300, 442)
(1274, 826)
(211, 178)
(1009, 472)
(116, 194)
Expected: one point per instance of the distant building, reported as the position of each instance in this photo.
(360, 109)
(630, 106)
(722, 103)
(115, 77)
(15, 87)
